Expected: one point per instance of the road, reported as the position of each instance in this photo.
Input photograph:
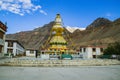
(60, 73)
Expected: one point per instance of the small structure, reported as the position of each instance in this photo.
(31, 52)
(91, 51)
(12, 46)
(3, 29)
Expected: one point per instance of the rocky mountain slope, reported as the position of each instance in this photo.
(101, 32)
(33, 39)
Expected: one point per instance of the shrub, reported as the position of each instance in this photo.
(113, 49)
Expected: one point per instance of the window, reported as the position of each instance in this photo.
(32, 51)
(0, 48)
(80, 49)
(10, 44)
(1, 34)
(84, 49)
(101, 49)
(42, 52)
(94, 49)
(10, 51)
(62, 52)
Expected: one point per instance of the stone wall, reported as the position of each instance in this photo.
(50, 63)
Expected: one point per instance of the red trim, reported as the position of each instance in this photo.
(92, 46)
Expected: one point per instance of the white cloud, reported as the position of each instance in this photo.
(36, 7)
(43, 12)
(25, 1)
(0, 2)
(20, 6)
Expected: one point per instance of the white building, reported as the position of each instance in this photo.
(44, 55)
(91, 51)
(31, 52)
(3, 29)
(13, 47)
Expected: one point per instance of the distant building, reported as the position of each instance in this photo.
(91, 51)
(31, 52)
(3, 29)
(12, 46)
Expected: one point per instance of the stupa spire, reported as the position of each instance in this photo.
(57, 41)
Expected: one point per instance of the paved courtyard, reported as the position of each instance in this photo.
(60, 73)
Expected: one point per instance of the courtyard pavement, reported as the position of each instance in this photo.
(60, 73)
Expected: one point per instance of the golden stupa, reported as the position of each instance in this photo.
(57, 43)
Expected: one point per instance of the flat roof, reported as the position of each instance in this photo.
(92, 46)
(14, 40)
(31, 49)
(3, 26)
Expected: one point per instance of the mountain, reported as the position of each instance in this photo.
(36, 37)
(72, 29)
(99, 22)
(100, 32)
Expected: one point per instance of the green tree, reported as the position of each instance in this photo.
(113, 49)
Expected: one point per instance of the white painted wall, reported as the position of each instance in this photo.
(27, 52)
(45, 56)
(5, 47)
(98, 52)
(30, 54)
(88, 53)
(2, 42)
(14, 48)
(17, 49)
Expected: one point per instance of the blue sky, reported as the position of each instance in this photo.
(23, 15)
